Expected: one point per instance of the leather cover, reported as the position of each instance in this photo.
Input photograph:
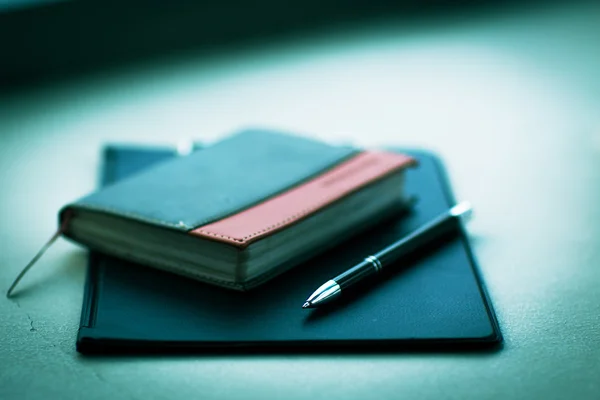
(232, 175)
(287, 208)
(435, 300)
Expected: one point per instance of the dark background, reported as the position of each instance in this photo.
(48, 40)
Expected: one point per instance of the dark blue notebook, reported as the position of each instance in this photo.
(434, 300)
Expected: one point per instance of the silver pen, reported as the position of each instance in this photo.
(372, 265)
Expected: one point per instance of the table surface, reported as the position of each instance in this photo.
(509, 100)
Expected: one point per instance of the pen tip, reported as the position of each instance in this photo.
(306, 305)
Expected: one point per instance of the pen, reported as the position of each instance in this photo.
(372, 265)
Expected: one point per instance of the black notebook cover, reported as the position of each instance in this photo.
(433, 300)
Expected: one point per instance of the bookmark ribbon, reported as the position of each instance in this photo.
(40, 253)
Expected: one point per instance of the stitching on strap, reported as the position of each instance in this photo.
(267, 229)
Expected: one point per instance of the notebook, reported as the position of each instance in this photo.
(434, 301)
(243, 210)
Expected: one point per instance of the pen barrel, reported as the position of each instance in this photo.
(418, 239)
(360, 271)
(437, 228)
